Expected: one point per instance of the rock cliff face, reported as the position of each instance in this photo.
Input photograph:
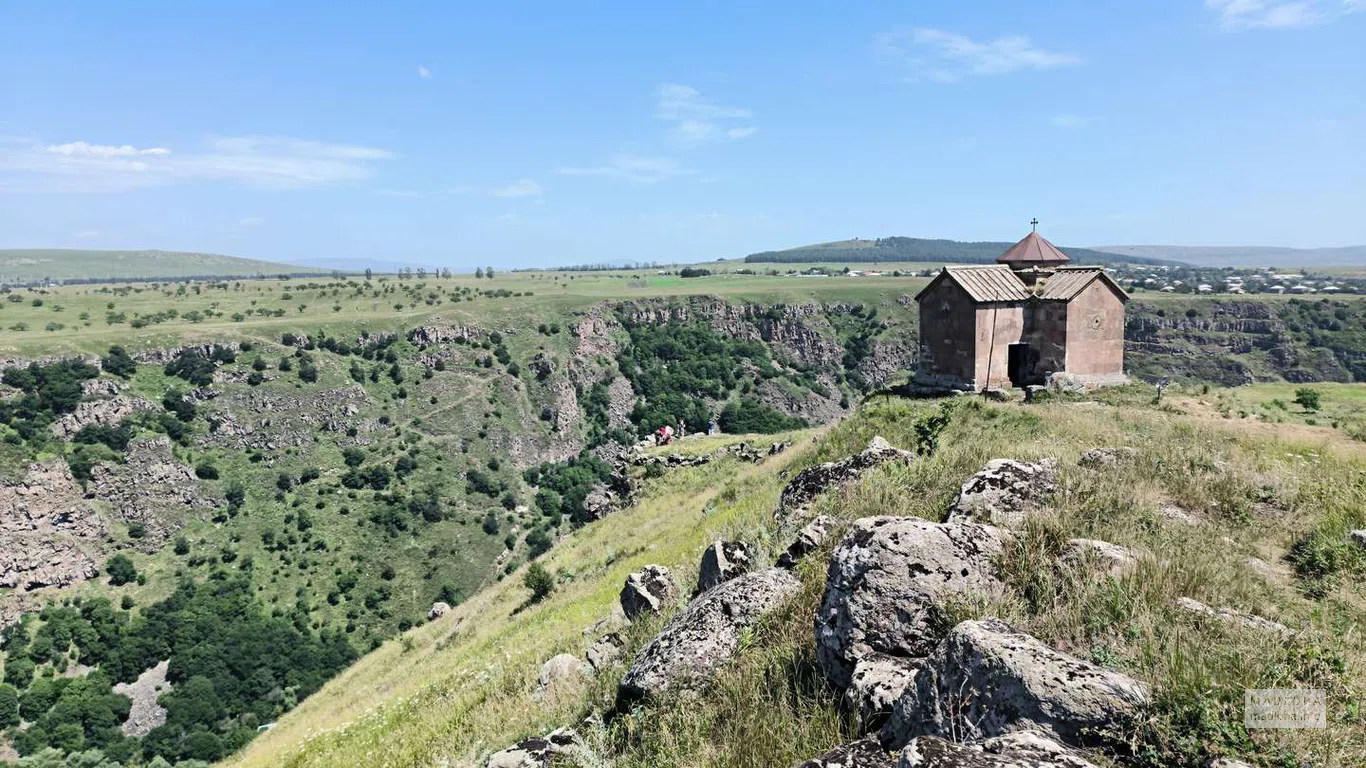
(153, 488)
(50, 535)
(271, 419)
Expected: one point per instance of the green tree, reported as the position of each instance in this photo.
(539, 581)
(120, 569)
(118, 362)
(9, 706)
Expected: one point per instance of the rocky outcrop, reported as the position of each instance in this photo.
(107, 412)
(721, 562)
(885, 581)
(426, 335)
(164, 355)
(599, 503)
(605, 651)
(275, 419)
(811, 482)
(1097, 458)
(1004, 492)
(808, 540)
(438, 610)
(1016, 750)
(648, 590)
(1100, 558)
(151, 487)
(50, 535)
(700, 640)
(875, 686)
(1358, 537)
(537, 753)
(987, 679)
(864, 753)
(744, 451)
(145, 713)
(1232, 617)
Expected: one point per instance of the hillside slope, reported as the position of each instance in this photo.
(20, 265)
(1231, 519)
(1244, 256)
(887, 249)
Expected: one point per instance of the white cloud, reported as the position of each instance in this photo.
(1070, 121)
(640, 169)
(261, 161)
(696, 120)
(86, 234)
(247, 222)
(519, 188)
(946, 57)
(1269, 14)
(424, 73)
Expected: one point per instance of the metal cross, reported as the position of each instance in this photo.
(1034, 225)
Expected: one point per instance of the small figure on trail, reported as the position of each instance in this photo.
(682, 429)
(664, 434)
(712, 429)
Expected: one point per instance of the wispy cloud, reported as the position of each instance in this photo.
(424, 73)
(249, 222)
(1070, 121)
(1237, 15)
(947, 57)
(694, 119)
(640, 169)
(260, 161)
(519, 188)
(86, 234)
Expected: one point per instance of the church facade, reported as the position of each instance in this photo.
(1028, 319)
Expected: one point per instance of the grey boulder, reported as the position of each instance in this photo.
(809, 539)
(605, 651)
(648, 590)
(1099, 558)
(536, 753)
(1004, 492)
(1097, 458)
(723, 561)
(987, 679)
(700, 640)
(884, 584)
(1024, 749)
(864, 753)
(559, 668)
(813, 481)
(877, 683)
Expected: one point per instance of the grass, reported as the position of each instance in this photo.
(455, 689)
(26, 264)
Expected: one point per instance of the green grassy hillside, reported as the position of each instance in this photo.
(452, 691)
(915, 249)
(20, 265)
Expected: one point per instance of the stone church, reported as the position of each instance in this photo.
(1028, 319)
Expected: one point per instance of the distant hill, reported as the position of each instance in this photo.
(1245, 256)
(919, 249)
(18, 265)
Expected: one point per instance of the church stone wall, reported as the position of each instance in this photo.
(1095, 332)
(948, 324)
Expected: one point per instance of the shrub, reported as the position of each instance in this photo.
(539, 581)
(751, 415)
(1307, 398)
(205, 470)
(119, 363)
(121, 570)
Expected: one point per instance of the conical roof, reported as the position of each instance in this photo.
(1033, 251)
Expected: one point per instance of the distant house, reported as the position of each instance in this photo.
(1029, 319)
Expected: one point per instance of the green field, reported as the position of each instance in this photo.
(33, 264)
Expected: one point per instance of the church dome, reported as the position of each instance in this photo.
(1033, 251)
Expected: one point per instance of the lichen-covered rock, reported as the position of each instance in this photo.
(1004, 492)
(536, 753)
(438, 610)
(1100, 557)
(699, 641)
(988, 679)
(809, 539)
(1232, 617)
(1104, 457)
(648, 590)
(864, 753)
(723, 561)
(1358, 537)
(1024, 749)
(605, 651)
(876, 685)
(813, 481)
(559, 668)
(598, 503)
(884, 583)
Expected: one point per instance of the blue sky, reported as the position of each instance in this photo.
(525, 134)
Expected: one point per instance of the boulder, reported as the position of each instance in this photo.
(1024, 749)
(809, 539)
(648, 590)
(864, 753)
(438, 610)
(699, 641)
(1104, 457)
(1232, 617)
(884, 583)
(723, 561)
(876, 685)
(536, 753)
(1225, 762)
(813, 481)
(1358, 537)
(559, 668)
(598, 503)
(1176, 514)
(1099, 557)
(605, 651)
(1004, 492)
(987, 679)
